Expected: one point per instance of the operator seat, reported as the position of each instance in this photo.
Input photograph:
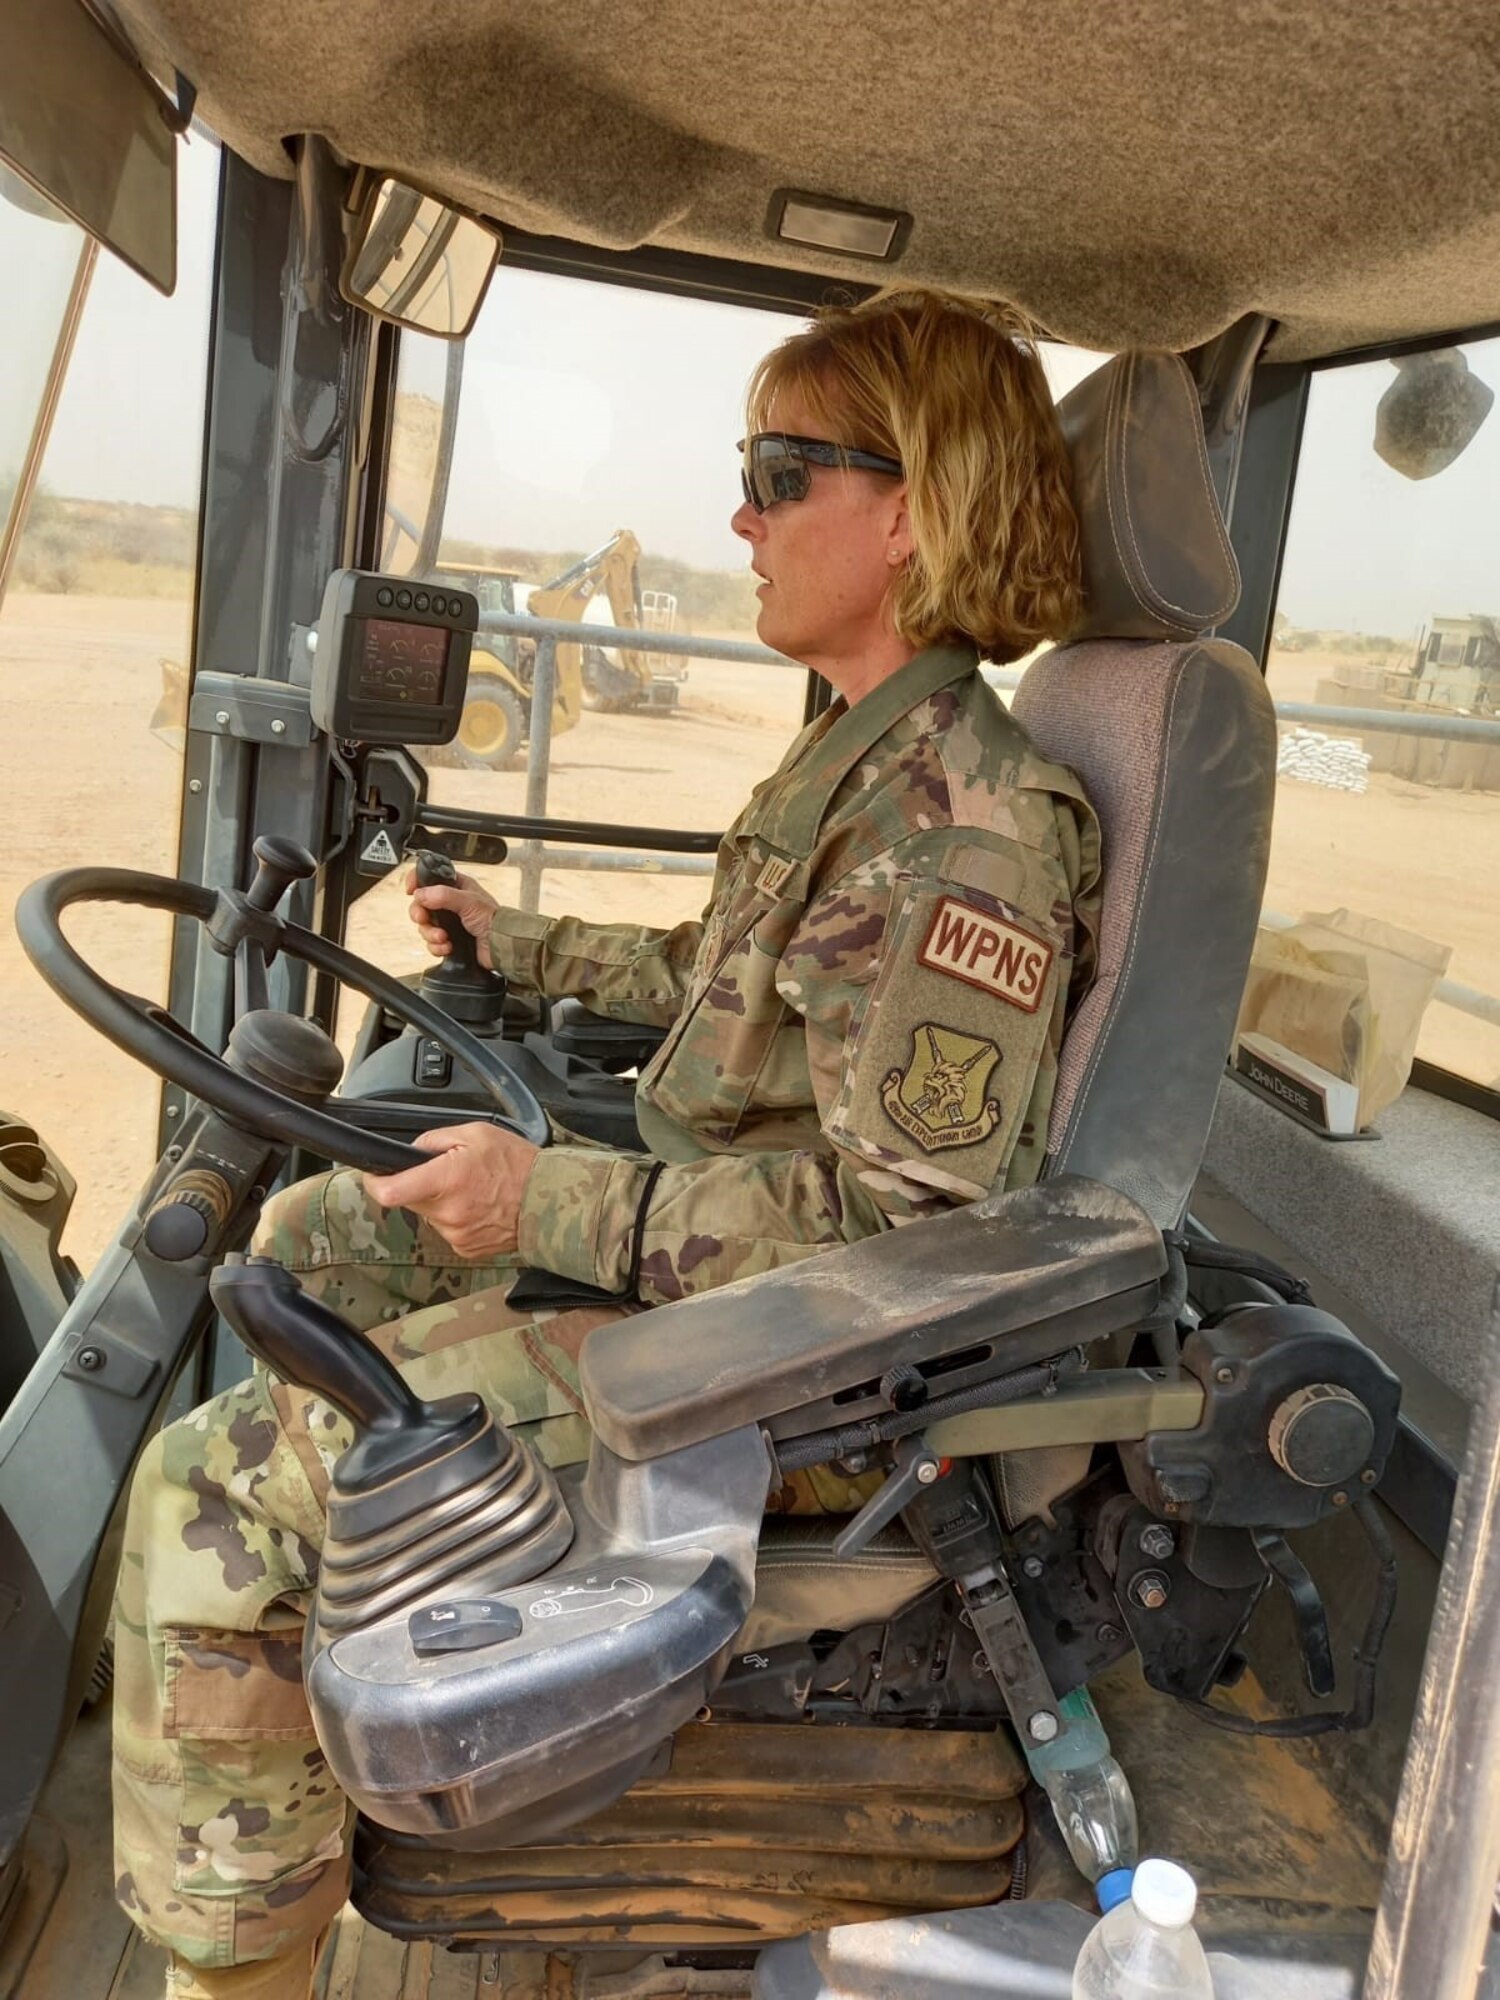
(1173, 735)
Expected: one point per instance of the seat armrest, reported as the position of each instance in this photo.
(575, 1031)
(1035, 1271)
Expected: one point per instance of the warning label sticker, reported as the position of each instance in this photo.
(380, 853)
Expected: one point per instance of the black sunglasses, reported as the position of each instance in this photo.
(776, 466)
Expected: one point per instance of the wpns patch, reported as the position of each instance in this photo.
(940, 1099)
(987, 952)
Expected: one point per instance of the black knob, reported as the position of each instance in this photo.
(293, 1056)
(180, 1223)
(281, 862)
(1321, 1435)
(176, 1231)
(904, 1388)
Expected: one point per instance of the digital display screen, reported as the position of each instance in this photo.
(397, 662)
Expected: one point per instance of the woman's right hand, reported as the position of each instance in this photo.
(474, 907)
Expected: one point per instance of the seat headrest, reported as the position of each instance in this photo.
(1156, 557)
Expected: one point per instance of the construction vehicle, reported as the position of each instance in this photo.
(1127, 1426)
(497, 716)
(622, 677)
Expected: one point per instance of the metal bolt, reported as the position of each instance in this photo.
(1042, 1727)
(980, 1664)
(1107, 1634)
(1224, 1373)
(1341, 1499)
(1367, 1477)
(927, 1471)
(1033, 1566)
(195, 784)
(91, 1359)
(1156, 1541)
(221, 715)
(1150, 1590)
(278, 727)
(174, 1110)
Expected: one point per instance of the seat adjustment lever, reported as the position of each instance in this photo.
(915, 1468)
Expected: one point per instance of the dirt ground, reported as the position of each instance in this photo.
(85, 781)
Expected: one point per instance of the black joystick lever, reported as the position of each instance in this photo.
(430, 1496)
(458, 984)
(233, 928)
(307, 1343)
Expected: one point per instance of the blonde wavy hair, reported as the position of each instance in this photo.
(954, 388)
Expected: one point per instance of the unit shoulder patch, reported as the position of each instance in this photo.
(987, 951)
(940, 1099)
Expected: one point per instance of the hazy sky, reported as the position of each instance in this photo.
(588, 407)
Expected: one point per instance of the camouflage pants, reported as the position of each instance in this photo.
(230, 1833)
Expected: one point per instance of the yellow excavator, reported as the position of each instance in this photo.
(497, 714)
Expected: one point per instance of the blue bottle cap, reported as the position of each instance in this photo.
(1113, 1887)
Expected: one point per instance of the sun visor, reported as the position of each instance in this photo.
(1156, 557)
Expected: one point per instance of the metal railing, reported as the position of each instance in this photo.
(534, 858)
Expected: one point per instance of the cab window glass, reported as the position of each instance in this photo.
(592, 478)
(591, 481)
(94, 633)
(38, 239)
(1389, 598)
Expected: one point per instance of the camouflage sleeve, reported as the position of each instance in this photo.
(932, 983)
(630, 972)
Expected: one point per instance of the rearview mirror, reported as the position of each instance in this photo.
(418, 260)
(84, 125)
(1430, 413)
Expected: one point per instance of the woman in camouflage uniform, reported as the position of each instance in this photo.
(862, 1030)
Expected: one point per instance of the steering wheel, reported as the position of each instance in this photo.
(281, 1068)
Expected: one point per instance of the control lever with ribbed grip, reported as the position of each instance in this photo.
(429, 1495)
(308, 1344)
(458, 984)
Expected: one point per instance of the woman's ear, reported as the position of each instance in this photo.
(899, 539)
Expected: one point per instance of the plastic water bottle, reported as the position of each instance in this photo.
(1146, 1948)
(1091, 1798)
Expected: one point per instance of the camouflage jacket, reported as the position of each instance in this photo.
(864, 1026)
